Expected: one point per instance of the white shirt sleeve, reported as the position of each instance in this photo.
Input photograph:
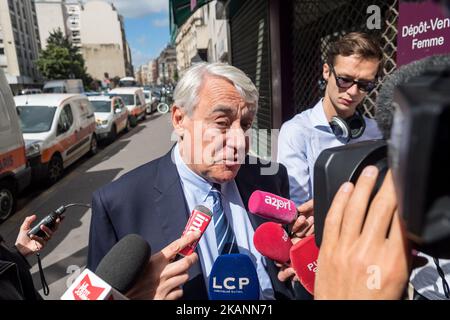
(292, 154)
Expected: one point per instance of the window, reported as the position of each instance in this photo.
(2, 50)
(65, 119)
(136, 100)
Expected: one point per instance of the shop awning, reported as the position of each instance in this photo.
(180, 11)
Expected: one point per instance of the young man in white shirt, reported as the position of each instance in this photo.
(351, 71)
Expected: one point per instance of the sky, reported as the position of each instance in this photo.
(146, 27)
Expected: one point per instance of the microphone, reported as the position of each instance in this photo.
(273, 242)
(385, 106)
(270, 206)
(233, 277)
(198, 221)
(116, 273)
(304, 256)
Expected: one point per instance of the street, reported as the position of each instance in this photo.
(65, 255)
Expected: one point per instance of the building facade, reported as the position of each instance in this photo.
(97, 29)
(203, 37)
(152, 75)
(73, 9)
(51, 16)
(167, 66)
(19, 43)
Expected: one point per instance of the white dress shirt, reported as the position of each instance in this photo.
(300, 142)
(196, 190)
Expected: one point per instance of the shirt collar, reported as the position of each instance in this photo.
(189, 178)
(318, 117)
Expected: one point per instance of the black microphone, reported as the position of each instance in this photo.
(123, 264)
(116, 274)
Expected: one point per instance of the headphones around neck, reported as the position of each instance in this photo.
(350, 128)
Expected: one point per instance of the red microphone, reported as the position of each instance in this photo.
(272, 207)
(304, 256)
(199, 220)
(273, 242)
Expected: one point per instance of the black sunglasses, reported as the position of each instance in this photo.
(345, 83)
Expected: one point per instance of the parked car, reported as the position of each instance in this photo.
(134, 99)
(111, 116)
(64, 86)
(58, 130)
(128, 82)
(15, 174)
(150, 101)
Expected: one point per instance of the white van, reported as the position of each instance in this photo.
(15, 173)
(111, 116)
(58, 129)
(134, 99)
(64, 86)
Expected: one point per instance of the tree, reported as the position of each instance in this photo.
(61, 60)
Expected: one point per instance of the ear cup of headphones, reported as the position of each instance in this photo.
(340, 128)
(350, 128)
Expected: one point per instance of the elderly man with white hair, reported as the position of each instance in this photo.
(214, 107)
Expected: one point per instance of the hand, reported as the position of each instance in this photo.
(363, 257)
(27, 245)
(163, 278)
(304, 225)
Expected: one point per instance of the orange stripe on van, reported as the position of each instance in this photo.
(137, 111)
(12, 160)
(66, 143)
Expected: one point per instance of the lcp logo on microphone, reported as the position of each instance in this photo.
(230, 284)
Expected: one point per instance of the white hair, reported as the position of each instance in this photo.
(186, 93)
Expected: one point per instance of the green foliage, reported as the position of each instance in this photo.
(61, 60)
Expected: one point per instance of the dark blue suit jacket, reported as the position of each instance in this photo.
(149, 201)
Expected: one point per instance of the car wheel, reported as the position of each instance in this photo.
(7, 199)
(55, 169)
(127, 126)
(94, 146)
(133, 121)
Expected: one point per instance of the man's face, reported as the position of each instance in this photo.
(214, 143)
(352, 67)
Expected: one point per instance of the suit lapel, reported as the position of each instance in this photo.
(173, 213)
(170, 204)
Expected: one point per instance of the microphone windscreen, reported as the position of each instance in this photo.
(124, 263)
(385, 108)
(273, 242)
(233, 277)
(272, 207)
(304, 256)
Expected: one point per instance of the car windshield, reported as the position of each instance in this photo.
(101, 106)
(35, 119)
(128, 99)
